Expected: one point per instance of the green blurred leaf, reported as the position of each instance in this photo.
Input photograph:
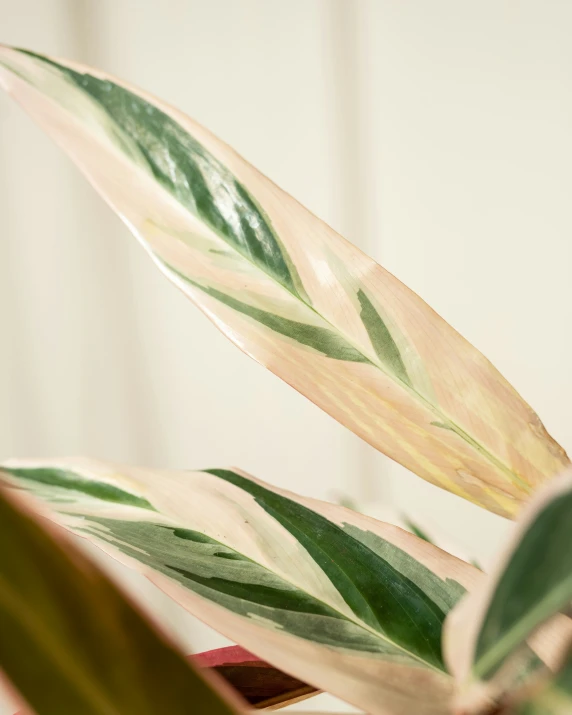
(72, 644)
(532, 583)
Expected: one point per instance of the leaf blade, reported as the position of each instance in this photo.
(289, 291)
(521, 599)
(328, 595)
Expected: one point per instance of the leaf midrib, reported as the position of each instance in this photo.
(364, 596)
(550, 604)
(342, 616)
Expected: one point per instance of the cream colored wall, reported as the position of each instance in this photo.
(434, 135)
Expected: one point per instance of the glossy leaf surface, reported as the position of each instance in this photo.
(291, 292)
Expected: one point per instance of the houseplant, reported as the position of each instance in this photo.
(344, 602)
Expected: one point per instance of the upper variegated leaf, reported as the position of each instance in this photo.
(72, 644)
(291, 292)
(348, 604)
(485, 634)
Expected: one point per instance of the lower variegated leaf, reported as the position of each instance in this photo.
(348, 604)
(72, 644)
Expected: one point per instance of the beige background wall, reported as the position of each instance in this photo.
(435, 135)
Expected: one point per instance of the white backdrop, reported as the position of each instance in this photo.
(437, 136)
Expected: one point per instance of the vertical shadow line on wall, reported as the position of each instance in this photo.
(22, 412)
(116, 294)
(347, 20)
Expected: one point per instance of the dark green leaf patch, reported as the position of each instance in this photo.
(388, 599)
(321, 339)
(381, 339)
(64, 479)
(237, 583)
(189, 172)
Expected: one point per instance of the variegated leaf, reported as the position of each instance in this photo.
(291, 292)
(484, 635)
(72, 644)
(348, 604)
(262, 685)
